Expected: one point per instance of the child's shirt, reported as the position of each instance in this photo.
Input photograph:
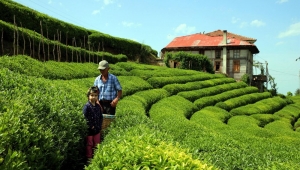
(94, 117)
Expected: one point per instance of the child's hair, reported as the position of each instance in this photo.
(93, 89)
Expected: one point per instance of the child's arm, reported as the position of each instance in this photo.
(88, 117)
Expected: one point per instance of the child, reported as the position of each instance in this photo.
(93, 115)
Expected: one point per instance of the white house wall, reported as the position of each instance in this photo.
(209, 54)
(246, 59)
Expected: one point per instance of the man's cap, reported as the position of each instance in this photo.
(103, 65)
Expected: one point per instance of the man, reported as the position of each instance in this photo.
(109, 87)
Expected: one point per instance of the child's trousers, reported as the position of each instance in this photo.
(91, 143)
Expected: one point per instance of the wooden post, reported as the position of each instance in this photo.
(80, 52)
(59, 46)
(48, 45)
(17, 39)
(89, 53)
(39, 50)
(76, 50)
(58, 57)
(72, 48)
(14, 43)
(42, 37)
(33, 44)
(2, 42)
(102, 50)
(54, 49)
(67, 46)
(30, 46)
(84, 48)
(24, 42)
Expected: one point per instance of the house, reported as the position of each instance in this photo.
(229, 53)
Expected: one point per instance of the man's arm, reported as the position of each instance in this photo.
(115, 101)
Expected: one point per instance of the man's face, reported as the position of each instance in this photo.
(104, 71)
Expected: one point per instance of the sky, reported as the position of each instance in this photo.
(274, 23)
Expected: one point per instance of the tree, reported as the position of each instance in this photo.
(297, 92)
(246, 78)
(289, 93)
(273, 85)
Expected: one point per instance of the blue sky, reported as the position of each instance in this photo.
(274, 23)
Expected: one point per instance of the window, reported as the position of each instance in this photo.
(218, 54)
(217, 65)
(228, 54)
(236, 53)
(236, 66)
(201, 52)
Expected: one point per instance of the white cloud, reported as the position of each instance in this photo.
(183, 28)
(243, 24)
(234, 20)
(293, 30)
(257, 23)
(107, 2)
(130, 24)
(50, 2)
(180, 30)
(96, 12)
(282, 1)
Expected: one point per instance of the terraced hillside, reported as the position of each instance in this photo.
(166, 119)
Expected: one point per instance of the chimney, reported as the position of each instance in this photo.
(224, 37)
(224, 52)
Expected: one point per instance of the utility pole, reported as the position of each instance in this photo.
(267, 74)
(299, 72)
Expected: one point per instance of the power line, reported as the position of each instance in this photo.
(285, 73)
(260, 57)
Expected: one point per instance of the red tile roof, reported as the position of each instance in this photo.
(229, 34)
(206, 41)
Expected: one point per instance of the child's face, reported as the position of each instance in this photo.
(93, 97)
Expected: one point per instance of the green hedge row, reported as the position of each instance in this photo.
(210, 91)
(55, 70)
(141, 148)
(159, 72)
(41, 123)
(130, 48)
(253, 128)
(211, 116)
(269, 105)
(140, 143)
(51, 28)
(180, 88)
(134, 85)
(159, 82)
(33, 42)
(265, 119)
(227, 146)
(210, 145)
(243, 100)
(128, 66)
(31, 19)
(212, 100)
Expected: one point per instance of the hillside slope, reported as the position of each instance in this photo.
(166, 118)
(29, 32)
